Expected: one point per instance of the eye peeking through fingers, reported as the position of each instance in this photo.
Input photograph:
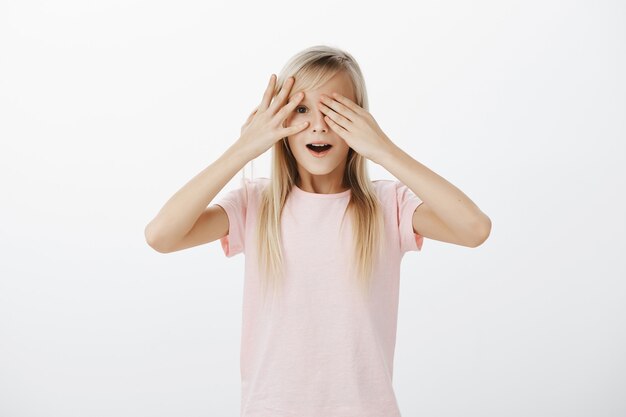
(303, 107)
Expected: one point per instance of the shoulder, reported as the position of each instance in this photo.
(246, 193)
(386, 187)
(383, 184)
(394, 193)
(256, 185)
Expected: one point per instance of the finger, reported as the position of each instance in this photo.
(338, 108)
(284, 92)
(348, 103)
(251, 116)
(288, 108)
(292, 130)
(267, 97)
(334, 116)
(279, 96)
(335, 126)
(253, 112)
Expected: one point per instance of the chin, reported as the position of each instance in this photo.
(317, 170)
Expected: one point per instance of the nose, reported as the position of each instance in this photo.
(319, 124)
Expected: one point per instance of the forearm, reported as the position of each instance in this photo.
(449, 203)
(183, 209)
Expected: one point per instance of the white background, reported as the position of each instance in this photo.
(107, 108)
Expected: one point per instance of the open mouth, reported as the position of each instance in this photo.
(318, 148)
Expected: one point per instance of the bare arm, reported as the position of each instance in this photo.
(183, 209)
(170, 229)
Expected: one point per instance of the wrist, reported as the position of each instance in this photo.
(388, 154)
(240, 153)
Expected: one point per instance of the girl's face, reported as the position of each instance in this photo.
(308, 110)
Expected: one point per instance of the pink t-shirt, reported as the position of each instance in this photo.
(322, 351)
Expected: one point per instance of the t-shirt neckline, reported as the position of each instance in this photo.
(307, 194)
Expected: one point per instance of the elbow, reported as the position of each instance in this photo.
(482, 231)
(153, 240)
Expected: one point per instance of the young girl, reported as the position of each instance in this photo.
(326, 239)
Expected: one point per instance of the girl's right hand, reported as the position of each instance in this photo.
(264, 126)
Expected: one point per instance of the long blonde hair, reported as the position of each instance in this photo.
(311, 68)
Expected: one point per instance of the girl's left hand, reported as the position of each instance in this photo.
(356, 126)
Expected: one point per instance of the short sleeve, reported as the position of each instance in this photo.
(407, 202)
(235, 204)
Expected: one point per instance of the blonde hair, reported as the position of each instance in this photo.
(311, 68)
